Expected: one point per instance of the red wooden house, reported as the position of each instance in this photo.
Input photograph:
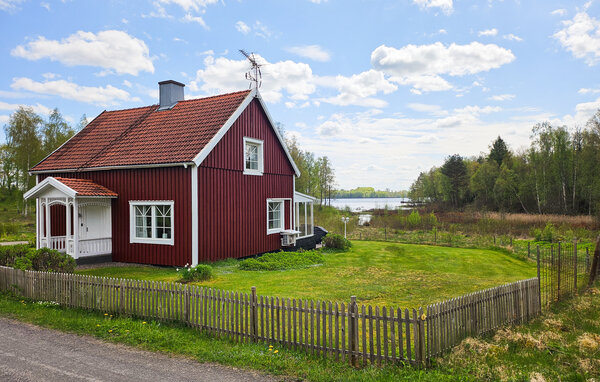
(184, 181)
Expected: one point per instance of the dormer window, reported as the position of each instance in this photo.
(253, 156)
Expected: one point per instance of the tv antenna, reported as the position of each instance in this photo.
(254, 74)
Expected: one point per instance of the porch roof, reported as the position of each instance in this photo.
(71, 187)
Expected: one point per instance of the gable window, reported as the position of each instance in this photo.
(253, 156)
(275, 216)
(151, 222)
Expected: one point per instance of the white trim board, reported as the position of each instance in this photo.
(50, 182)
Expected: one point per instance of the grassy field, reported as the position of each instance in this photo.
(392, 274)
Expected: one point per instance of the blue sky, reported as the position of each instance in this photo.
(385, 89)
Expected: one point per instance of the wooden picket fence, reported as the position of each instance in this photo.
(345, 332)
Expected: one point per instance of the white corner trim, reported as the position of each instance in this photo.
(194, 204)
(224, 129)
(50, 181)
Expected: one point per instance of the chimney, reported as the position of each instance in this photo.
(170, 92)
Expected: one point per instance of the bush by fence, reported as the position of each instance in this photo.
(348, 332)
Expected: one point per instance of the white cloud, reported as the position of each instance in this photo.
(124, 21)
(445, 5)
(502, 97)
(421, 65)
(224, 75)
(259, 29)
(435, 59)
(242, 27)
(435, 110)
(588, 91)
(581, 36)
(37, 108)
(358, 89)
(188, 18)
(423, 83)
(488, 32)
(313, 52)
(318, 1)
(559, 12)
(10, 5)
(4, 119)
(104, 96)
(512, 37)
(111, 49)
(187, 5)
(442, 31)
(45, 5)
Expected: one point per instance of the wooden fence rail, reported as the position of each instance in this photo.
(350, 332)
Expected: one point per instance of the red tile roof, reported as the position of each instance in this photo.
(144, 136)
(85, 187)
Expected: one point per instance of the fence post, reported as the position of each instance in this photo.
(575, 266)
(587, 260)
(254, 316)
(353, 331)
(528, 249)
(494, 239)
(121, 297)
(421, 321)
(538, 277)
(511, 241)
(559, 268)
(186, 305)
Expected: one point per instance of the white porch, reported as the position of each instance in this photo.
(72, 222)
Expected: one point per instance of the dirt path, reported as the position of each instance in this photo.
(31, 353)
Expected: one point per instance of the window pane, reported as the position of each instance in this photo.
(163, 222)
(251, 156)
(143, 221)
(274, 215)
(302, 219)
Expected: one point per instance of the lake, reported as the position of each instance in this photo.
(362, 204)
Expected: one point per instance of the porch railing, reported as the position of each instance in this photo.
(91, 247)
(58, 243)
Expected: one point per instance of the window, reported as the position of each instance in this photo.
(253, 156)
(275, 216)
(151, 222)
(304, 218)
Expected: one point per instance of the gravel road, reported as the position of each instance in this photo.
(31, 353)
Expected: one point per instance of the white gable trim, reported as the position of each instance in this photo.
(50, 182)
(225, 128)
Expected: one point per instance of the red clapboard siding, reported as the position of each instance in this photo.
(233, 206)
(165, 183)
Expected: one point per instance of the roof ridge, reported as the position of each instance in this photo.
(218, 95)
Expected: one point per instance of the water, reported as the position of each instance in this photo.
(363, 204)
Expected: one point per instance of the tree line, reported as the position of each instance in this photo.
(368, 192)
(317, 176)
(29, 139)
(557, 173)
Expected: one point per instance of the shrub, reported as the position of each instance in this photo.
(549, 232)
(333, 240)
(536, 233)
(23, 263)
(277, 261)
(50, 260)
(200, 272)
(414, 219)
(9, 253)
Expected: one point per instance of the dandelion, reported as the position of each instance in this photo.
(276, 351)
(111, 315)
(110, 330)
(98, 325)
(423, 317)
(144, 323)
(270, 349)
(106, 314)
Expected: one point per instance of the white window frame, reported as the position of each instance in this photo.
(153, 240)
(282, 217)
(308, 204)
(261, 161)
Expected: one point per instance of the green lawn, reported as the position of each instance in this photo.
(398, 275)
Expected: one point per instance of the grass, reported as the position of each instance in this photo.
(379, 273)
(564, 345)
